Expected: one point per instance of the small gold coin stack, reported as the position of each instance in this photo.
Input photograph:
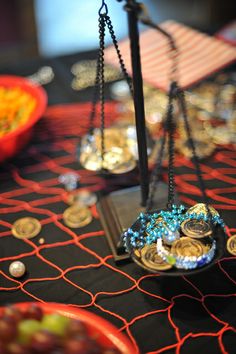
(195, 241)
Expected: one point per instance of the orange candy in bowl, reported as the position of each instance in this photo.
(22, 103)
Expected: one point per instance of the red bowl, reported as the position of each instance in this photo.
(107, 335)
(12, 142)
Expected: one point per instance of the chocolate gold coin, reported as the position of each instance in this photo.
(137, 253)
(124, 167)
(157, 222)
(201, 208)
(26, 228)
(77, 216)
(118, 160)
(196, 228)
(113, 137)
(152, 260)
(91, 160)
(204, 148)
(231, 245)
(83, 197)
(187, 247)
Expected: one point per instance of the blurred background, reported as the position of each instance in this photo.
(41, 28)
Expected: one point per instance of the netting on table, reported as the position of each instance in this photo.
(76, 266)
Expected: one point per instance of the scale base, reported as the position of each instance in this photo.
(119, 210)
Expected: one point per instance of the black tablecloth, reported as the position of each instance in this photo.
(160, 314)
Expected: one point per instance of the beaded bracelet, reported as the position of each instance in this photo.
(146, 231)
(185, 262)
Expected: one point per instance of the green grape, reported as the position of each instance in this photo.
(55, 323)
(26, 329)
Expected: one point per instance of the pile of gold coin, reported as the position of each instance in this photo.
(84, 72)
(195, 239)
(211, 113)
(118, 155)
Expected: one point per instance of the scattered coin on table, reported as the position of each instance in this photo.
(26, 228)
(231, 245)
(83, 197)
(77, 216)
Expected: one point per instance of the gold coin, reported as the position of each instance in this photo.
(151, 259)
(157, 221)
(196, 228)
(203, 148)
(26, 228)
(231, 245)
(201, 208)
(92, 161)
(119, 160)
(222, 135)
(83, 197)
(113, 137)
(77, 216)
(137, 253)
(187, 247)
(124, 167)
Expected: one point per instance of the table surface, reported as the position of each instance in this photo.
(160, 314)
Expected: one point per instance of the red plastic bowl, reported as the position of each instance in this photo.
(107, 335)
(14, 141)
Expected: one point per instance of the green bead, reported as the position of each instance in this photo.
(171, 260)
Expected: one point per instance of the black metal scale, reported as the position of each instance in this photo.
(119, 209)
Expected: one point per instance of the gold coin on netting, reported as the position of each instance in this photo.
(27, 227)
(77, 216)
(151, 259)
(231, 245)
(187, 247)
(83, 197)
(196, 228)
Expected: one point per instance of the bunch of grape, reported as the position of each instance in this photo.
(33, 332)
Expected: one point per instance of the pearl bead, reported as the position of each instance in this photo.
(17, 269)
